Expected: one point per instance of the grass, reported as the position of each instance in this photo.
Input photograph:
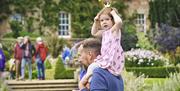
(150, 81)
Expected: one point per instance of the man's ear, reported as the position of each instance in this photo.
(90, 53)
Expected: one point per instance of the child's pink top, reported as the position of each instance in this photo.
(112, 56)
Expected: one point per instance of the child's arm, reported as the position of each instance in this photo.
(117, 21)
(89, 73)
(94, 30)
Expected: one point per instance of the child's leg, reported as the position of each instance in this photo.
(89, 72)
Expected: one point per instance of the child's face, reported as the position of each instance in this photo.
(106, 22)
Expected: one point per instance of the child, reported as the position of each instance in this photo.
(107, 24)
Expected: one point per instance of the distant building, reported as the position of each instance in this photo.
(141, 8)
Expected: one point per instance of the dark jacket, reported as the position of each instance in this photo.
(31, 50)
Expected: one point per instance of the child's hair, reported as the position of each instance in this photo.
(106, 11)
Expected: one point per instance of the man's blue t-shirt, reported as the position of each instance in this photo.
(103, 80)
(82, 73)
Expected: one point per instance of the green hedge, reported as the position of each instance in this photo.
(153, 72)
(61, 72)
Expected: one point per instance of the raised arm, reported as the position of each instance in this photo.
(117, 21)
(95, 31)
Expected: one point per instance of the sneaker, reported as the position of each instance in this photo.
(21, 78)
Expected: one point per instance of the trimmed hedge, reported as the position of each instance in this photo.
(153, 72)
(61, 72)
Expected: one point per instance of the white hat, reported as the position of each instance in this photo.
(20, 39)
(39, 39)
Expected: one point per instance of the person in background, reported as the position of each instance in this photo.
(12, 68)
(66, 55)
(2, 60)
(18, 56)
(28, 52)
(40, 55)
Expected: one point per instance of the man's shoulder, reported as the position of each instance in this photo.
(101, 71)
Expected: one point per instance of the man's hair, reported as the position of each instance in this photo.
(92, 44)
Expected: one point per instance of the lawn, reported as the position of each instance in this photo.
(150, 81)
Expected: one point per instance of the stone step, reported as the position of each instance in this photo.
(63, 81)
(57, 89)
(43, 85)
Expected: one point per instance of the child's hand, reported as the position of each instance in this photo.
(96, 18)
(83, 83)
(113, 12)
(80, 85)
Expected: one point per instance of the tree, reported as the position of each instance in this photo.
(16, 28)
(165, 11)
(129, 38)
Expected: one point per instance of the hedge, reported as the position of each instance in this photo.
(153, 72)
(61, 72)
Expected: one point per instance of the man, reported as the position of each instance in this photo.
(102, 79)
(18, 56)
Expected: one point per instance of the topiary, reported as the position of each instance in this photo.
(59, 69)
(48, 64)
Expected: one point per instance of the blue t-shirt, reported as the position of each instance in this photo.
(103, 80)
(82, 73)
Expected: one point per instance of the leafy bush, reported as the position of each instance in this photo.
(177, 55)
(16, 28)
(61, 72)
(154, 72)
(129, 38)
(144, 58)
(3, 85)
(164, 11)
(143, 41)
(22, 33)
(171, 84)
(132, 82)
(55, 44)
(48, 64)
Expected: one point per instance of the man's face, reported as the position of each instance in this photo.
(85, 57)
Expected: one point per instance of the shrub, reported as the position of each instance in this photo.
(144, 58)
(61, 72)
(3, 85)
(55, 44)
(132, 82)
(129, 38)
(143, 41)
(48, 64)
(154, 72)
(171, 84)
(16, 28)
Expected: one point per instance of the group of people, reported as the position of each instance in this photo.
(102, 57)
(25, 53)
